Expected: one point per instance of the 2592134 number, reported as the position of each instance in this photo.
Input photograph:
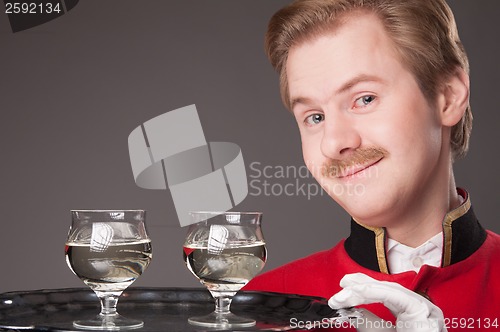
(471, 323)
(32, 8)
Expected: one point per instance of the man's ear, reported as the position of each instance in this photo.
(454, 98)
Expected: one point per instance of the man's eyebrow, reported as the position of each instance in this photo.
(342, 89)
(356, 80)
(299, 100)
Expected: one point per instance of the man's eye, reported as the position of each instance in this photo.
(314, 119)
(364, 101)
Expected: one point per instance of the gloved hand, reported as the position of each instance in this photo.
(413, 311)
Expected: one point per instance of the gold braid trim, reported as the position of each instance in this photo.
(449, 218)
(379, 246)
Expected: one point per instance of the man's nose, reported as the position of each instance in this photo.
(340, 136)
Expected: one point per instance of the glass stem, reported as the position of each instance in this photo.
(108, 304)
(222, 305)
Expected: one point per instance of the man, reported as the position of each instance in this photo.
(380, 92)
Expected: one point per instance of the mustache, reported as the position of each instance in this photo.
(361, 156)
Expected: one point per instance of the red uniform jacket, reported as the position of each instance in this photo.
(466, 287)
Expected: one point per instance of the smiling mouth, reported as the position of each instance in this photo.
(356, 170)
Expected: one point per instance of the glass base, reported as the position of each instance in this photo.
(221, 320)
(114, 322)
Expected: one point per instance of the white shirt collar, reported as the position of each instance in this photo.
(402, 258)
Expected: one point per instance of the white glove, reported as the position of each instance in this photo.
(413, 311)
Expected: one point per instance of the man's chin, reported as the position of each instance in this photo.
(366, 209)
(355, 191)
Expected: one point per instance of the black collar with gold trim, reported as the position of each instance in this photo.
(462, 233)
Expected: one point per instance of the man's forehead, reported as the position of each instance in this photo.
(358, 50)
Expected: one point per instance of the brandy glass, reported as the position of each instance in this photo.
(108, 250)
(224, 250)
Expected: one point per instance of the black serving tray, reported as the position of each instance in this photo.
(161, 309)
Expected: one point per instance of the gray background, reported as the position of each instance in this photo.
(73, 89)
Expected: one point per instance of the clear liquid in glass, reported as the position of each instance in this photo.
(226, 270)
(109, 268)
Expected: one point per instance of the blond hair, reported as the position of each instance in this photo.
(424, 32)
